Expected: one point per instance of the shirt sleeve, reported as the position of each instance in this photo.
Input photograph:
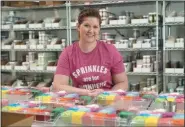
(63, 64)
(117, 62)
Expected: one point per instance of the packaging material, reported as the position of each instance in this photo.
(50, 3)
(23, 4)
(14, 119)
(5, 3)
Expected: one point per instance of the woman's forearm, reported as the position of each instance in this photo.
(70, 89)
(121, 85)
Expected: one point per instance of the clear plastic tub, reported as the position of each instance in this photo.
(90, 119)
(180, 107)
(130, 105)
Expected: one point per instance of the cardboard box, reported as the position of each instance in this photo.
(16, 120)
(23, 4)
(50, 3)
(5, 3)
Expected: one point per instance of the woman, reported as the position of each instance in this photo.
(93, 66)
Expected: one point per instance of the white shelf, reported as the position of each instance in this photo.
(119, 49)
(125, 25)
(137, 49)
(47, 71)
(34, 29)
(142, 73)
(34, 50)
(174, 23)
(181, 48)
(112, 3)
(173, 74)
(74, 5)
(28, 71)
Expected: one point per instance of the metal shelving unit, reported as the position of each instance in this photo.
(109, 26)
(68, 7)
(131, 26)
(173, 74)
(47, 71)
(137, 49)
(174, 24)
(39, 29)
(111, 3)
(31, 8)
(13, 51)
(178, 49)
(33, 50)
(166, 50)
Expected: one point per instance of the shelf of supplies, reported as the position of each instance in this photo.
(141, 73)
(47, 71)
(173, 74)
(28, 71)
(174, 23)
(180, 48)
(6, 70)
(5, 30)
(32, 50)
(137, 49)
(125, 25)
(6, 49)
(111, 3)
(6, 8)
(35, 29)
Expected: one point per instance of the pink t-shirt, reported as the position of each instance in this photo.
(91, 70)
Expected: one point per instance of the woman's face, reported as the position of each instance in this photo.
(89, 29)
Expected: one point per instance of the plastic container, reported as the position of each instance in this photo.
(164, 122)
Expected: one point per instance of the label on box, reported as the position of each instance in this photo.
(169, 70)
(49, 46)
(169, 19)
(8, 67)
(123, 45)
(146, 45)
(40, 68)
(48, 25)
(40, 46)
(6, 46)
(31, 26)
(39, 25)
(137, 45)
(23, 46)
(16, 26)
(55, 24)
(33, 46)
(57, 46)
(17, 47)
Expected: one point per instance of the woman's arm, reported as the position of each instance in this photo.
(121, 81)
(61, 83)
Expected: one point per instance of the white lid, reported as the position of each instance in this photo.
(144, 88)
(147, 39)
(148, 88)
(132, 39)
(154, 86)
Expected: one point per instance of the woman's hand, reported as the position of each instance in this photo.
(95, 92)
